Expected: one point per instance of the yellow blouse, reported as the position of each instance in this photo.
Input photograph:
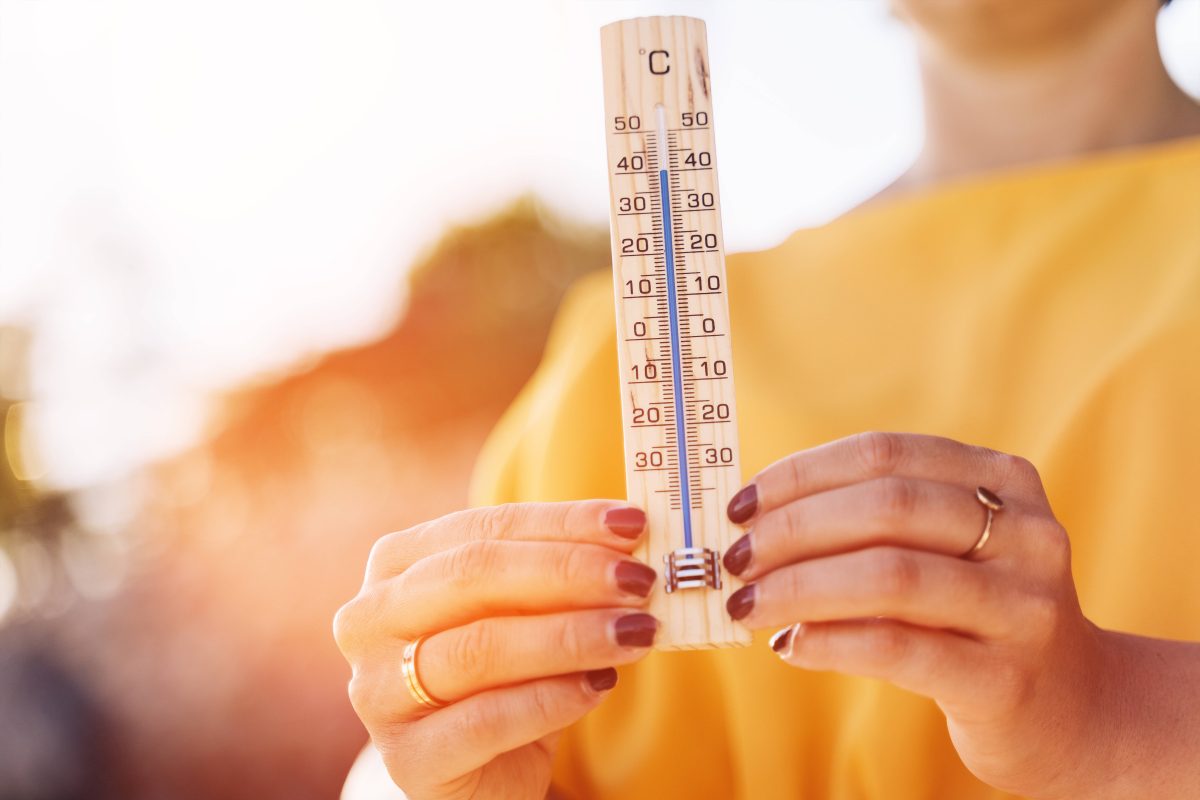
(1052, 312)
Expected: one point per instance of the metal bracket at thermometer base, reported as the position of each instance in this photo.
(691, 568)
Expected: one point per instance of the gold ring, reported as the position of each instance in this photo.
(992, 504)
(408, 666)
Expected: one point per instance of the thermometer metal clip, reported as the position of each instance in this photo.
(691, 568)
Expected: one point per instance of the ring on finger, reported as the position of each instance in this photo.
(408, 666)
(993, 505)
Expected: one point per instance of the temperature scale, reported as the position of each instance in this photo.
(680, 423)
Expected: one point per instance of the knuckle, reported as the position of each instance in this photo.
(472, 719)
(796, 472)
(479, 718)
(569, 642)
(496, 522)
(1040, 616)
(467, 562)
(982, 593)
(1023, 467)
(1017, 470)
(474, 652)
(896, 573)
(1055, 544)
(574, 516)
(397, 747)
(545, 702)
(470, 722)
(897, 498)
(784, 587)
(879, 452)
(570, 565)
(345, 625)
(381, 551)
(790, 519)
(362, 696)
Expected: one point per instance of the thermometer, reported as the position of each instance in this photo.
(677, 404)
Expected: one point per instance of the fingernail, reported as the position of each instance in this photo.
(601, 680)
(781, 639)
(741, 602)
(635, 577)
(744, 504)
(628, 522)
(636, 630)
(737, 557)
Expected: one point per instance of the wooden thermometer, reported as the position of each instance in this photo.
(681, 452)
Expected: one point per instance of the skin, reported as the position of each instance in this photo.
(854, 546)
(518, 604)
(857, 548)
(858, 543)
(1008, 84)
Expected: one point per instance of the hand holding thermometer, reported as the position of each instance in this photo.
(677, 403)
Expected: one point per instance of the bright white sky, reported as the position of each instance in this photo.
(195, 194)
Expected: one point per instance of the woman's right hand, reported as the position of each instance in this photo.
(525, 608)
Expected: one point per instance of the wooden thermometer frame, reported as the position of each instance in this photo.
(677, 399)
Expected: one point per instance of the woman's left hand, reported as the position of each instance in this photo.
(859, 547)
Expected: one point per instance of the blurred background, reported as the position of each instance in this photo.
(269, 272)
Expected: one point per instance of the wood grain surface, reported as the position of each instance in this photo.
(680, 419)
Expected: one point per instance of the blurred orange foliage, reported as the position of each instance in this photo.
(215, 665)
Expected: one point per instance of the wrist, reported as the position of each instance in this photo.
(1104, 721)
(1138, 734)
(1083, 734)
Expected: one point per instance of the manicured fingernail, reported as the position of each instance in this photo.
(741, 602)
(737, 557)
(628, 522)
(743, 505)
(636, 630)
(782, 639)
(601, 680)
(635, 577)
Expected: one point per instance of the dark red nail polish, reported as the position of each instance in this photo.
(780, 640)
(743, 505)
(628, 522)
(601, 680)
(635, 577)
(636, 630)
(737, 557)
(741, 602)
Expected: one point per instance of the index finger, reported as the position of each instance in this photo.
(612, 523)
(866, 456)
